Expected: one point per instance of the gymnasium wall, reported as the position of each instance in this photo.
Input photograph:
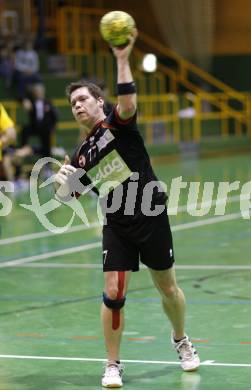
(232, 27)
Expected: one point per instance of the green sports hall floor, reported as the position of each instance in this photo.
(51, 284)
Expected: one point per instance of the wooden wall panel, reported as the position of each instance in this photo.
(232, 27)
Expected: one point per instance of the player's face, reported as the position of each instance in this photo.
(85, 108)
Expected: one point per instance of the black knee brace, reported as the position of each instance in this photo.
(115, 304)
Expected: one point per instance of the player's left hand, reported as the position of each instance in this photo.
(61, 178)
(64, 172)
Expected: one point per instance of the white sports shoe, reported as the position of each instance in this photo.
(112, 377)
(188, 355)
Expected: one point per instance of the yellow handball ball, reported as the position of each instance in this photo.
(116, 27)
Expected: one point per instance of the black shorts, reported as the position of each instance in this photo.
(152, 245)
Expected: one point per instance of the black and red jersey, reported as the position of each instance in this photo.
(114, 152)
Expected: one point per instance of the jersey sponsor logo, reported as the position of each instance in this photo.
(110, 168)
(103, 141)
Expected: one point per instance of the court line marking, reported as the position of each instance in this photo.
(204, 363)
(47, 255)
(34, 236)
(85, 247)
(98, 266)
(207, 221)
(77, 228)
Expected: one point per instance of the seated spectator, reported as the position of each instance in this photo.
(26, 68)
(29, 151)
(7, 138)
(16, 163)
(42, 120)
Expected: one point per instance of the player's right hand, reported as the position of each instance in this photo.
(64, 172)
(124, 52)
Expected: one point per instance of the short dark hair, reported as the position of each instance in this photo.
(94, 89)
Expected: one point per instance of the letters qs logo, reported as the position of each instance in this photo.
(41, 210)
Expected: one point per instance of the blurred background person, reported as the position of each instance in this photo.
(6, 64)
(26, 68)
(42, 120)
(7, 138)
